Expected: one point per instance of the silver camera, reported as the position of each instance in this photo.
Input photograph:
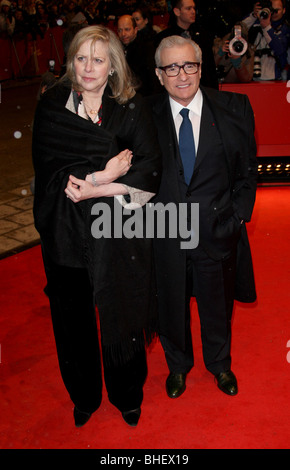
(265, 13)
(238, 45)
(266, 9)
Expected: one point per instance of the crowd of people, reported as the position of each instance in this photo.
(258, 46)
(22, 17)
(258, 50)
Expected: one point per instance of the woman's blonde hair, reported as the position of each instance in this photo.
(121, 80)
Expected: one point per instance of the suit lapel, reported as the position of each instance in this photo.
(108, 108)
(219, 120)
(165, 124)
(207, 134)
(168, 142)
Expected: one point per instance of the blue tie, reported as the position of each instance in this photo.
(186, 145)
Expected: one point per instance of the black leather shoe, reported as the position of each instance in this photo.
(81, 417)
(131, 417)
(227, 382)
(175, 385)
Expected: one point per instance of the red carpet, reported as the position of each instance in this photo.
(36, 412)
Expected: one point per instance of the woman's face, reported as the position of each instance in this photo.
(92, 66)
(140, 21)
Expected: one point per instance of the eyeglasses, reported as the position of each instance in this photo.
(173, 70)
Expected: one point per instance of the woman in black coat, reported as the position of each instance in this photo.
(96, 158)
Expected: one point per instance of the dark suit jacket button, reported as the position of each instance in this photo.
(188, 194)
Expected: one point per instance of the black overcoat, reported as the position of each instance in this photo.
(220, 229)
(120, 269)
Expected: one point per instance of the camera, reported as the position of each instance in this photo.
(51, 65)
(266, 10)
(238, 45)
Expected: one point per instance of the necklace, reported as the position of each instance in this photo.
(91, 111)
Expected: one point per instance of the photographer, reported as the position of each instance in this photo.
(269, 33)
(233, 57)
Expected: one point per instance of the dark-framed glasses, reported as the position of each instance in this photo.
(173, 70)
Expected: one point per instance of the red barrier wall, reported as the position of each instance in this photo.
(271, 105)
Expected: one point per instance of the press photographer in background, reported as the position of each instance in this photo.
(7, 20)
(233, 57)
(269, 33)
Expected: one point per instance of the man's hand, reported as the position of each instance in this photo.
(264, 22)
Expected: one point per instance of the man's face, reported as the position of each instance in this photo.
(126, 31)
(277, 5)
(186, 14)
(5, 9)
(183, 87)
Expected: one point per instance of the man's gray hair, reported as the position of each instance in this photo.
(172, 41)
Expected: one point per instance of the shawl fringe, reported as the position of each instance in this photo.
(121, 353)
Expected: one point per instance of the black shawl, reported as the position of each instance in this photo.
(121, 269)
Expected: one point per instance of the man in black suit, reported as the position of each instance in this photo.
(183, 23)
(223, 184)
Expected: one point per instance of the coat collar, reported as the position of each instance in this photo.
(108, 105)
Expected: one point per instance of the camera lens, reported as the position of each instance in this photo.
(238, 46)
(264, 14)
(257, 67)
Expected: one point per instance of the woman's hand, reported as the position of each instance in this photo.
(78, 190)
(116, 167)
